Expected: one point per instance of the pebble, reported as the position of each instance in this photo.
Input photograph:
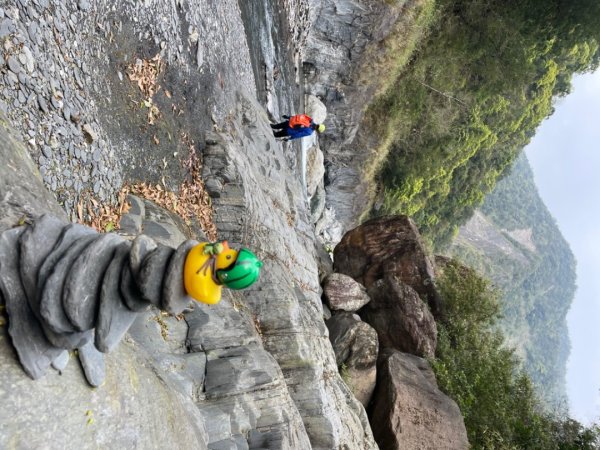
(93, 364)
(84, 5)
(14, 65)
(61, 361)
(42, 103)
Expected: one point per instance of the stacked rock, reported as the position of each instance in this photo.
(68, 287)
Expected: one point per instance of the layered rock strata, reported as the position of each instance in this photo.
(68, 287)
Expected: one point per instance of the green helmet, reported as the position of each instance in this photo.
(243, 272)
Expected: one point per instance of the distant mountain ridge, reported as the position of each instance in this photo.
(515, 242)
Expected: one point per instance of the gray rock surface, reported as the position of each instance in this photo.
(286, 300)
(113, 415)
(346, 38)
(409, 411)
(149, 399)
(342, 292)
(19, 170)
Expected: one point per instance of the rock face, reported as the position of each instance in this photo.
(203, 382)
(257, 206)
(409, 411)
(388, 246)
(346, 38)
(402, 320)
(356, 348)
(80, 299)
(342, 292)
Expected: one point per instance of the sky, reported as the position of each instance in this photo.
(565, 157)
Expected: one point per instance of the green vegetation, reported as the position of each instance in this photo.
(541, 295)
(477, 370)
(449, 127)
(470, 100)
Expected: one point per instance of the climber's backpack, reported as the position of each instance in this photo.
(300, 119)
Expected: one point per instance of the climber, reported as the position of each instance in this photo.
(296, 127)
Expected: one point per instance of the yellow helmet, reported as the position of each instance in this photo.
(321, 128)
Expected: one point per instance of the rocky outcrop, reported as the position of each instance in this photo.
(342, 292)
(409, 411)
(202, 382)
(402, 320)
(389, 246)
(257, 204)
(347, 42)
(356, 348)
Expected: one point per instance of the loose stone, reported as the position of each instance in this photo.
(14, 65)
(114, 318)
(141, 247)
(132, 296)
(80, 293)
(61, 361)
(93, 364)
(34, 351)
(42, 103)
(51, 305)
(152, 271)
(174, 298)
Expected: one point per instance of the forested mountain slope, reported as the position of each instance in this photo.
(535, 270)
(471, 99)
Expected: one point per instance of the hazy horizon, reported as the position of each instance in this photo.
(565, 158)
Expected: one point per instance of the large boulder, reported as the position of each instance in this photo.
(409, 411)
(388, 246)
(342, 292)
(356, 347)
(401, 319)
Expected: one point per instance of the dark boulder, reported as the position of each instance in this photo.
(409, 411)
(388, 245)
(401, 318)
